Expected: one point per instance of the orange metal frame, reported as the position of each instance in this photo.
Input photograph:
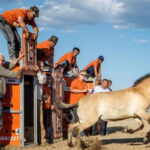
(11, 132)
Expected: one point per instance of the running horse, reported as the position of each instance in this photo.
(133, 102)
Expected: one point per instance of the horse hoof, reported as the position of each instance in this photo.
(126, 130)
(70, 144)
(145, 140)
(130, 131)
(84, 144)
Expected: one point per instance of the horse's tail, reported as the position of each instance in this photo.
(64, 106)
(71, 109)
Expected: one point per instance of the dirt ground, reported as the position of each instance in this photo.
(114, 140)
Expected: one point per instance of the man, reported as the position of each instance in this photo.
(10, 20)
(74, 90)
(70, 60)
(101, 86)
(45, 50)
(45, 53)
(93, 69)
(5, 73)
(77, 88)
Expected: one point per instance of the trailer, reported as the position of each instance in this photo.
(20, 102)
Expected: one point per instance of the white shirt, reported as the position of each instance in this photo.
(99, 88)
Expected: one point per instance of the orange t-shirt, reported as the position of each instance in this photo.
(77, 84)
(47, 49)
(67, 57)
(11, 16)
(94, 64)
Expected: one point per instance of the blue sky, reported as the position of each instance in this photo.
(117, 29)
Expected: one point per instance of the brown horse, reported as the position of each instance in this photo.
(133, 102)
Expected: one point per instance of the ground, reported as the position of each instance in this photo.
(115, 140)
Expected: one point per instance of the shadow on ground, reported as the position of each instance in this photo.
(136, 141)
(111, 130)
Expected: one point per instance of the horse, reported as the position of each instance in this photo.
(132, 102)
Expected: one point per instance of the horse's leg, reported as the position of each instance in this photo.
(146, 116)
(140, 127)
(70, 132)
(78, 129)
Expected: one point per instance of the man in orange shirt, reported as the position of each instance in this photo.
(45, 50)
(77, 88)
(93, 68)
(10, 20)
(69, 59)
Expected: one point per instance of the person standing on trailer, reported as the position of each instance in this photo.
(45, 50)
(93, 69)
(15, 18)
(69, 59)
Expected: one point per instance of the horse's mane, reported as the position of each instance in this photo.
(138, 81)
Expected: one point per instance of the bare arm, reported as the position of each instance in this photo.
(36, 31)
(75, 90)
(95, 70)
(15, 62)
(9, 74)
(22, 24)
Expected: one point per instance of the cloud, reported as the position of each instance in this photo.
(121, 14)
(120, 26)
(68, 13)
(142, 41)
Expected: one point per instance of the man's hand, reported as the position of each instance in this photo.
(16, 61)
(27, 34)
(35, 36)
(36, 68)
(36, 31)
(20, 72)
(99, 77)
(55, 65)
(21, 55)
(52, 107)
(15, 24)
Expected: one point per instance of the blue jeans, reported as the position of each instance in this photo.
(13, 39)
(90, 71)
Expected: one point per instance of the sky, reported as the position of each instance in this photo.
(117, 29)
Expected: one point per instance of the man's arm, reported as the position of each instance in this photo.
(15, 62)
(75, 90)
(9, 74)
(62, 59)
(22, 24)
(97, 72)
(36, 31)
